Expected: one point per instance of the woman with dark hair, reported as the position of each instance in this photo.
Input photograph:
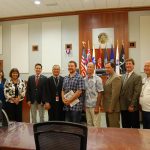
(14, 91)
(2, 82)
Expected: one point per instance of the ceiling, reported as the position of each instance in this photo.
(11, 8)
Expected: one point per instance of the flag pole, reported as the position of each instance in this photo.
(93, 57)
(88, 44)
(117, 59)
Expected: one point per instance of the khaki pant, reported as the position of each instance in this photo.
(113, 119)
(92, 118)
(34, 107)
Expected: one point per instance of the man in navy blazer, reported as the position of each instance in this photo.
(35, 93)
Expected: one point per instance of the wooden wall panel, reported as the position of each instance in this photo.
(116, 20)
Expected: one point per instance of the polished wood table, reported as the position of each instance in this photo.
(19, 136)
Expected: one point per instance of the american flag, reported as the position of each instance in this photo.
(99, 59)
(83, 63)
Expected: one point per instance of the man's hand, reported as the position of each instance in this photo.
(66, 102)
(96, 110)
(84, 108)
(131, 108)
(110, 111)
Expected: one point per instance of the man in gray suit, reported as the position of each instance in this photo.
(129, 96)
(111, 96)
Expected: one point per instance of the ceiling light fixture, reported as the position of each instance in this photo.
(37, 2)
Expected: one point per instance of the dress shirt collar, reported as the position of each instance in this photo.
(146, 79)
(90, 77)
(56, 76)
(37, 75)
(111, 75)
(129, 74)
(73, 75)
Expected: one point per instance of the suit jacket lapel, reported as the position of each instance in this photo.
(40, 79)
(53, 81)
(109, 80)
(129, 80)
(33, 81)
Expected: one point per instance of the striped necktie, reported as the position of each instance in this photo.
(126, 78)
(36, 80)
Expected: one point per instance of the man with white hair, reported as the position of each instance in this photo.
(53, 100)
(93, 93)
(145, 97)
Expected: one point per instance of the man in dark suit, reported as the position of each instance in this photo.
(53, 102)
(35, 93)
(111, 96)
(129, 96)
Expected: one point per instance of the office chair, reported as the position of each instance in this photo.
(59, 135)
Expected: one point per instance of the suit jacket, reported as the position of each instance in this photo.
(111, 93)
(36, 93)
(51, 90)
(130, 91)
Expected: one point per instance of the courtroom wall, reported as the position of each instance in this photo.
(69, 35)
(134, 35)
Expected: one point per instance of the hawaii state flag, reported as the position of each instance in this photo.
(99, 59)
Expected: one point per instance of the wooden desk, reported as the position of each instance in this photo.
(25, 111)
(20, 137)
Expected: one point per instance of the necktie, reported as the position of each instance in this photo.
(56, 80)
(36, 80)
(126, 78)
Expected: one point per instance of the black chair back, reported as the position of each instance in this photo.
(59, 135)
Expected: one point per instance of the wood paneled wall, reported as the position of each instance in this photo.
(116, 20)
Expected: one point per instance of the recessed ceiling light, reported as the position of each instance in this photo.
(37, 2)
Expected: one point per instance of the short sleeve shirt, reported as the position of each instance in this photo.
(74, 83)
(93, 86)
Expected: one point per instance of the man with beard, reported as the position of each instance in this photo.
(73, 83)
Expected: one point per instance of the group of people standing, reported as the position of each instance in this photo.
(121, 96)
(65, 98)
